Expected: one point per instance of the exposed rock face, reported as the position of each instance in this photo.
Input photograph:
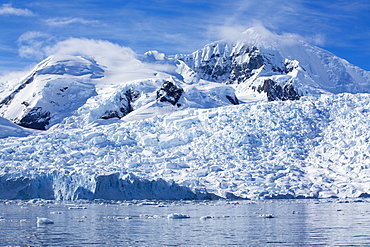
(36, 118)
(124, 102)
(243, 71)
(170, 92)
(276, 92)
(221, 63)
(233, 99)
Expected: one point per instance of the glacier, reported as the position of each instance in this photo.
(268, 116)
(312, 148)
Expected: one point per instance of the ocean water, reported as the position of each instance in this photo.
(210, 223)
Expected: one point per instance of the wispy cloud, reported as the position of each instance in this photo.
(63, 21)
(103, 51)
(39, 45)
(31, 44)
(7, 9)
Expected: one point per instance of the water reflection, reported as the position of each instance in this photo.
(218, 223)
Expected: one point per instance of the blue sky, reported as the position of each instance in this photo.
(28, 28)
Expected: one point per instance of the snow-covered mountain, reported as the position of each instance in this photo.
(62, 86)
(284, 67)
(266, 116)
(261, 65)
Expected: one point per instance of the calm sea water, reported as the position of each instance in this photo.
(294, 223)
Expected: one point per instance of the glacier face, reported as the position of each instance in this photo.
(266, 116)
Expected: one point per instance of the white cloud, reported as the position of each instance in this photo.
(31, 36)
(7, 9)
(31, 44)
(103, 51)
(62, 21)
(256, 33)
(229, 33)
(38, 45)
(318, 39)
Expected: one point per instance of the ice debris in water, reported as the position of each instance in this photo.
(206, 217)
(178, 216)
(44, 221)
(77, 207)
(56, 212)
(268, 216)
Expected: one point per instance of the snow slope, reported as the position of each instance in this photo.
(10, 129)
(267, 116)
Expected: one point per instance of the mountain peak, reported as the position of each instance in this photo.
(260, 36)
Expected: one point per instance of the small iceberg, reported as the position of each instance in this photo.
(267, 216)
(41, 221)
(77, 207)
(206, 217)
(178, 216)
(56, 212)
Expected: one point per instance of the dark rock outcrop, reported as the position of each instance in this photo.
(125, 101)
(243, 71)
(36, 118)
(226, 67)
(170, 92)
(275, 92)
(233, 99)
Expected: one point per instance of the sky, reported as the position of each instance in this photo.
(32, 30)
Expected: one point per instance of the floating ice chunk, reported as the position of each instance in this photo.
(206, 217)
(44, 221)
(147, 203)
(77, 207)
(154, 217)
(268, 216)
(178, 216)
